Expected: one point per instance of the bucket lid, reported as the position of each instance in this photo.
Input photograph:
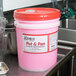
(36, 14)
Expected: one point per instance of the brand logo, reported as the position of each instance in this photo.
(29, 38)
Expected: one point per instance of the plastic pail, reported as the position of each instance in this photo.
(37, 33)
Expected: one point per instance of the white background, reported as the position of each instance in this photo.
(14, 4)
(33, 49)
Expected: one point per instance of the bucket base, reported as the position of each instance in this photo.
(38, 62)
(33, 70)
(37, 70)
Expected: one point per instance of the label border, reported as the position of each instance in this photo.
(40, 34)
(47, 42)
(41, 52)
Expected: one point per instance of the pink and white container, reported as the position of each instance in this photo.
(37, 33)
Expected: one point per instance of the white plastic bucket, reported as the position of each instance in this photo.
(37, 39)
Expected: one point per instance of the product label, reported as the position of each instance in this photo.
(53, 41)
(39, 43)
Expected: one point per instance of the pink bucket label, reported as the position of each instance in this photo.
(40, 43)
